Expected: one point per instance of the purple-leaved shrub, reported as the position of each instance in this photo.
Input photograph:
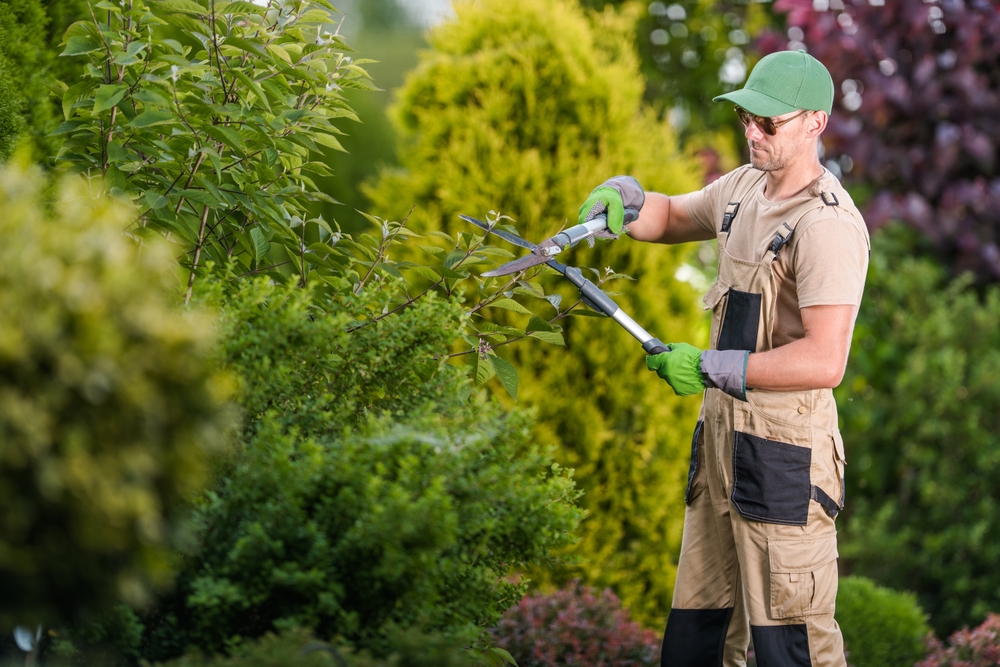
(577, 626)
(979, 647)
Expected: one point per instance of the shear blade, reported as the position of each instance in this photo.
(521, 264)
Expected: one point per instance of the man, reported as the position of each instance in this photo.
(758, 555)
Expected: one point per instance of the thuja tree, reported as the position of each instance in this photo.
(110, 407)
(918, 86)
(524, 107)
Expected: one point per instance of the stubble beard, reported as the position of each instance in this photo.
(767, 163)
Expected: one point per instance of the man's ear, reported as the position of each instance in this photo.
(816, 123)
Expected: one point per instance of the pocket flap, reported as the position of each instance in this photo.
(714, 295)
(838, 444)
(801, 554)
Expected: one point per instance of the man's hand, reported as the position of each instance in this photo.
(689, 370)
(613, 197)
(680, 366)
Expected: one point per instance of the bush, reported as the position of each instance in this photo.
(372, 489)
(523, 107)
(110, 407)
(881, 627)
(575, 627)
(297, 648)
(979, 647)
(919, 404)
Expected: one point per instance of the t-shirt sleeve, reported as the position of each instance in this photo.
(703, 205)
(830, 263)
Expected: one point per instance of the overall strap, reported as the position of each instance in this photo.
(784, 233)
(733, 207)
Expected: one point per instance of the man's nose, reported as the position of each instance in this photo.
(753, 132)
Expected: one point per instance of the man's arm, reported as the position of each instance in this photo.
(665, 219)
(816, 361)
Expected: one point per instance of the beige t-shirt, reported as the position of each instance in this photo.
(826, 258)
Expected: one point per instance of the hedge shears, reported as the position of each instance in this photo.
(592, 295)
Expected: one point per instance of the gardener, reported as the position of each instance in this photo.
(759, 552)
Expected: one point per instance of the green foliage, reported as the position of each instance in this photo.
(920, 404)
(298, 649)
(26, 61)
(372, 491)
(524, 107)
(11, 122)
(109, 409)
(881, 627)
(210, 118)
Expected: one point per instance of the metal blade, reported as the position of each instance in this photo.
(516, 265)
(506, 236)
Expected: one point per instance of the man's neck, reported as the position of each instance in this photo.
(785, 183)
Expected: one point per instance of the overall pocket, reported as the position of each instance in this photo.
(739, 325)
(690, 493)
(803, 572)
(771, 480)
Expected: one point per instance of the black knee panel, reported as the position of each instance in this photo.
(695, 637)
(781, 645)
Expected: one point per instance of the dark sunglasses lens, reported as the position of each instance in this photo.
(765, 124)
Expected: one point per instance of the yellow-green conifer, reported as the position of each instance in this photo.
(523, 106)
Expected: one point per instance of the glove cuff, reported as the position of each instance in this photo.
(633, 196)
(726, 370)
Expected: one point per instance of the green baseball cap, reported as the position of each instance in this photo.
(783, 82)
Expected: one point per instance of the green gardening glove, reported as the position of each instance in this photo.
(680, 367)
(689, 370)
(612, 198)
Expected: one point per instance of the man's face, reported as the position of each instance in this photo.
(774, 152)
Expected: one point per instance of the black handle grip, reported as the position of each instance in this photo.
(654, 346)
(631, 215)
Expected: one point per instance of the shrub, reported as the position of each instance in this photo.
(575, 627)
(372, 489)
(523, 107)
(110, 409)
(919, 404)
(979, 647)
(881, 627)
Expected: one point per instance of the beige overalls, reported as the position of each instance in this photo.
(759, 551)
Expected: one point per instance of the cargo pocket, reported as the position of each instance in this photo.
(803, 575)
(690, 493)
(770, 480)
(739, 326)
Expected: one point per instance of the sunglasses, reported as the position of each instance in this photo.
(767, 125)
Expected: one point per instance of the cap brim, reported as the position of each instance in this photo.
(756, 103)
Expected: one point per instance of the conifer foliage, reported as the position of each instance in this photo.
(524, 107)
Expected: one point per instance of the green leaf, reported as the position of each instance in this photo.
(261, 246)
(254, 88)
(228, 136)
(425, 272)
(108, 96)
(183, 6)
(81, 44)
(510, 304)
(552, 337)
(329, 141)
(152, 117)
(538, 324)
(507, 374)
(239, 7)
(484, 370)
(279, 52)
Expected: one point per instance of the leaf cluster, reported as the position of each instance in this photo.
(920, 404)
(110, 410)
(211, 118)
(373, 487)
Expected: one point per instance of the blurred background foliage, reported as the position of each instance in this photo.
(522, 108)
